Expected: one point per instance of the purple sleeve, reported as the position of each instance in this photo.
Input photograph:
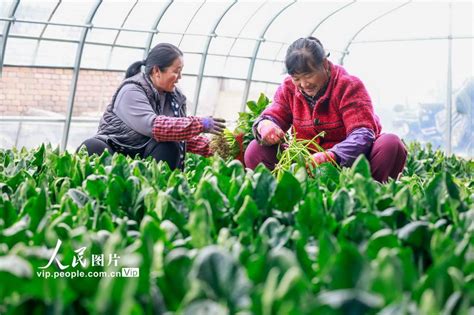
(358, 142)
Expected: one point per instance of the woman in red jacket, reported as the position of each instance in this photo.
(321, 96)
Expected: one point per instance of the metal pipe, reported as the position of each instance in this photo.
(449, 86)
(184, 74)
(132, 47)
(98, 27)
(255, 52)
(346, 49)
(6, 30)
(75, 76)
(329, 15)
(107, 44)
(243, 27)
(35, 54)
(415, 39)
(190, 21)
(75, 41)
(314, 28)
(31, 21)
(155, 29)
(240, 56)
(151, 32)
(204, 57)
(118, 33)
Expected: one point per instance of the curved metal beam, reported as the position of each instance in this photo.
(35, 54)
(413, 39)
(245, 24)
(197, 91)
(190, 21)
(318, 25)
(449, 87)
(134, 30)
(6, 30)
(118, 33)
(255, 52)
(278, 52)
(124, 21)
(75, 75)
(346, 49)
(155, 27)
(330, 14)
(50, 17)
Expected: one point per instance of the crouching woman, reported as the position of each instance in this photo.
(320, 96)
(147, 114)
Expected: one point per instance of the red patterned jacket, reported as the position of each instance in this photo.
(345, 106)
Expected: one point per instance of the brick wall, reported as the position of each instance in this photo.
(45, 91)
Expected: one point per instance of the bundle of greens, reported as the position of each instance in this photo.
(232, 144)
(297, 151)
(225, 145)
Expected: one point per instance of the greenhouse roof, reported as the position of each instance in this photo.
(244, 42)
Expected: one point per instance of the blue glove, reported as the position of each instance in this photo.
(208, 123)
(213, 125)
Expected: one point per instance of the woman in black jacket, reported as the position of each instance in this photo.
(147, 115)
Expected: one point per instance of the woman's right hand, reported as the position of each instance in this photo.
(213, 125)
(270, 132)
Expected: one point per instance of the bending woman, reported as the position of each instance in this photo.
(147, 114)
(320, 96)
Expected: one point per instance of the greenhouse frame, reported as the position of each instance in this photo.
(220, 157)
(233, 51)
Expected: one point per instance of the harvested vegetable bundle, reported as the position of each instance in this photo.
(297, 151)
(246, 120)
(232, 145)
(225, 145)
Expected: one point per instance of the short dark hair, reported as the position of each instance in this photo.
(304, 55)
(162, 56)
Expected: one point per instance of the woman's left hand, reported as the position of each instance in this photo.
(323, 157)
(213, 125)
